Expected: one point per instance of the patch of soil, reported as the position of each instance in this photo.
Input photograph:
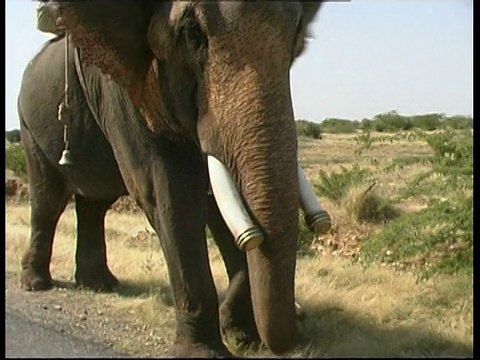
(126, 205)
(16, 189)
(342, 242)
(83, 314)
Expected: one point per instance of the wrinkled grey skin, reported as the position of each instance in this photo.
(220, 87)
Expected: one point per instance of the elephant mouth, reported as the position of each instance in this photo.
(247, 235)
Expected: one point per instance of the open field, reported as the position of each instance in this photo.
(335, 151)
(351, 311)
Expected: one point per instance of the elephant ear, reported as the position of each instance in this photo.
(310, 10)
(111, 35)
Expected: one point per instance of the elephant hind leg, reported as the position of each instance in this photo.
(91, 256)
(49, 194)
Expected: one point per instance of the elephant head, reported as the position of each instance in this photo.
(230, 90)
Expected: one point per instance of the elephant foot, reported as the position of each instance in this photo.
(97, 281)
(238, 324)
(188, 350)
(32, 280)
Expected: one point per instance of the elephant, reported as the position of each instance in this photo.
(169, 92)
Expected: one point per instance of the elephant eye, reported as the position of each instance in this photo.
(192, 37)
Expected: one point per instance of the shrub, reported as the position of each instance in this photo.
(428, 121)
(391, 121)
(13, 136)
(438, 239)
(458, 122)
(304, 239)
(15, 159)
(365, 205)
(336, 126)
(308, 129)
(364, 140)
(451, 161)
(366, 124)
(334, 186)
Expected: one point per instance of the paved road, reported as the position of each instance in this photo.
(25, 338)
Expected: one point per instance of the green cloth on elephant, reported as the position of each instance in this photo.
(46, 19)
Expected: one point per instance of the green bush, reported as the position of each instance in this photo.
(458, 122)
(15, 159)
(385, 122)
(13, 136)
(391, 121)
(308, 129)
(335, 185)
(428, 121)
(337, 126)
(366, 124)
(304, 239)
(438, 239)
(451, 161)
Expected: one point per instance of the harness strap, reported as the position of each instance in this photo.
(81, 78)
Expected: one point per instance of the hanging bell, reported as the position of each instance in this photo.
(66, 158)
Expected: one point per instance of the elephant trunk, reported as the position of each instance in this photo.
(247, 123)
(271, 192)
(260, 153)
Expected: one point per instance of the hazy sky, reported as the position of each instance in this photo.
(367, 57)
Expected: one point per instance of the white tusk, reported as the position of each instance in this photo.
(247, 235)
(316, 217)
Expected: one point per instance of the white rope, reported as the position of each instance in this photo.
(66, 69)
(62, 109)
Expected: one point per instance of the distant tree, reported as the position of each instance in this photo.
(308, 129)
(337, 126)
(428, 121)
(458, 122)
(391, 121)
(366, 124)
(379, 126)
(13, 136)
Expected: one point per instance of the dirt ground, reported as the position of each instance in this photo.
(350, 311)
(85, 315)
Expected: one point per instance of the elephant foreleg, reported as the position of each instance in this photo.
(236, 312)
(173, 197)
(91, 256)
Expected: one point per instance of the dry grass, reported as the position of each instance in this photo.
(366, 205)
(335, 151)
(351, 312)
